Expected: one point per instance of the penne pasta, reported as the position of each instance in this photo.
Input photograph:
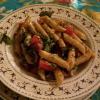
(61, 43)
(53, 24)
(59, 34)
(59, 76)
(74, 71)
(29, 25)
(54, 59)
(42, 74)
(83, 58)
(71, 58)
(61, 22)
(80, 34)
(77, 38)
(58, 21)
(40, 29)
(92, 53)
(74, 42)
(53, 35)
(50, 32)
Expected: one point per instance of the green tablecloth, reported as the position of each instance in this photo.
(90, 7)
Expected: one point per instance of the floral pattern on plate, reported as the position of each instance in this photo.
(19, 81)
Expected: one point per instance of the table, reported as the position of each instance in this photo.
(89, 7)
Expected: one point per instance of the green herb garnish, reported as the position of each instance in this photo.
(46, 40)
(6, 39)
(48, 43)
(47, 47)
(46, 13)
(54, 65)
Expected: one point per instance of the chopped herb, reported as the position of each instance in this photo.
(6, 39)
(46, 13)
(48, 44)
(46, 40)
(54, 65)
(47, 48)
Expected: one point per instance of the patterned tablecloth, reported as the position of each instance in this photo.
(89, 7)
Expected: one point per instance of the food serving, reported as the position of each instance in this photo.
(51, 48)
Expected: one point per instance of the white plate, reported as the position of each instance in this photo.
(19, 81)
(7, 94)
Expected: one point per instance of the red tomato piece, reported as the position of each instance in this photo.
(69, 30)
(37, 42)
(35, 39)
(45, 65)
(38, 46)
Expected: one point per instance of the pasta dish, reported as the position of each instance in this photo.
(51, 48)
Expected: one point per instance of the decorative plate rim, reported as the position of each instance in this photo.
(17, 90)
